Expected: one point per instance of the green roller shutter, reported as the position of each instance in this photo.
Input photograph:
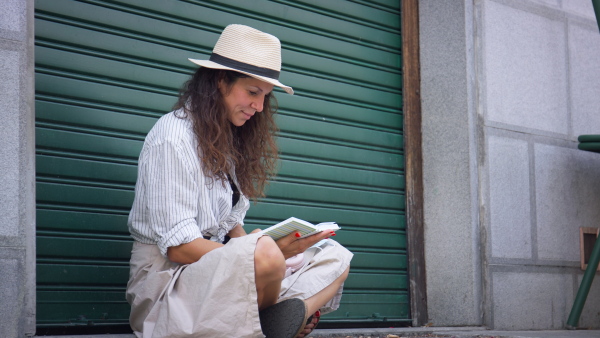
(106, 70)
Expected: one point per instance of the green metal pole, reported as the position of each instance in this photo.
(584, 288)
(596, 4)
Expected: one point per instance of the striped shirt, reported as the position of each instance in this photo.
(175, 202)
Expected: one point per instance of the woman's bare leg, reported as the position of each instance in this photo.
(321, 298)
(317, 301)
(269, 269)
(269, 265)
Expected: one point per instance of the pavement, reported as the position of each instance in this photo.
(450, 332)
(417, 332)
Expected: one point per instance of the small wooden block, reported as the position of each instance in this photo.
(587, 240)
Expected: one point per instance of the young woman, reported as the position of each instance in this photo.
(194, 270)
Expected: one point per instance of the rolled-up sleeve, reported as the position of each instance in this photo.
(171, 195)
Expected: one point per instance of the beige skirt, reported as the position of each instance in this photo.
(216, 296)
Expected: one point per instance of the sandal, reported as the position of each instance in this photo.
(285, 319)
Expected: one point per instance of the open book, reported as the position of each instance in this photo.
(293, 224)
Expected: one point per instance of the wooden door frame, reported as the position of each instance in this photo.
(411, 93)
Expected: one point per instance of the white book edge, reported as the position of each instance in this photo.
(292, 224)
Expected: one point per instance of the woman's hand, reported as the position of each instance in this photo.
(291, 245)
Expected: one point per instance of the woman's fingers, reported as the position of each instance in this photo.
(292, 244)
(314, 239)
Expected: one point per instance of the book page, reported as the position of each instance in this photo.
(293, 224)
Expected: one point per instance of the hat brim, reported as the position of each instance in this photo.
(214, 65)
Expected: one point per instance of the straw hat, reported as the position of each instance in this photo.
(249, 51)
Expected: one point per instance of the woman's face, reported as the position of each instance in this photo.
(245, 98)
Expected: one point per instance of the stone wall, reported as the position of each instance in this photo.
(449, 131)
(17, 170)
(508, 85)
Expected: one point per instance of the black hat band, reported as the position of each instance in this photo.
(225, 61)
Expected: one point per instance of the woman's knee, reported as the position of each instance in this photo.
(268, 258)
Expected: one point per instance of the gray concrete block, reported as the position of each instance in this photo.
(11, 293)
(510, 211)
(567, 197)
(9, 138)
(584, 48)
(17, 170)
(579, 7)
(13, 15)
(449, 160)
(530, 301)
(525, 68)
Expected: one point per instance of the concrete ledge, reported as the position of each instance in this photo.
(415, 332)
(334, 333)
(527, 334)
(93, 336)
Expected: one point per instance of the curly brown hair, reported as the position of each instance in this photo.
(250, 148)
